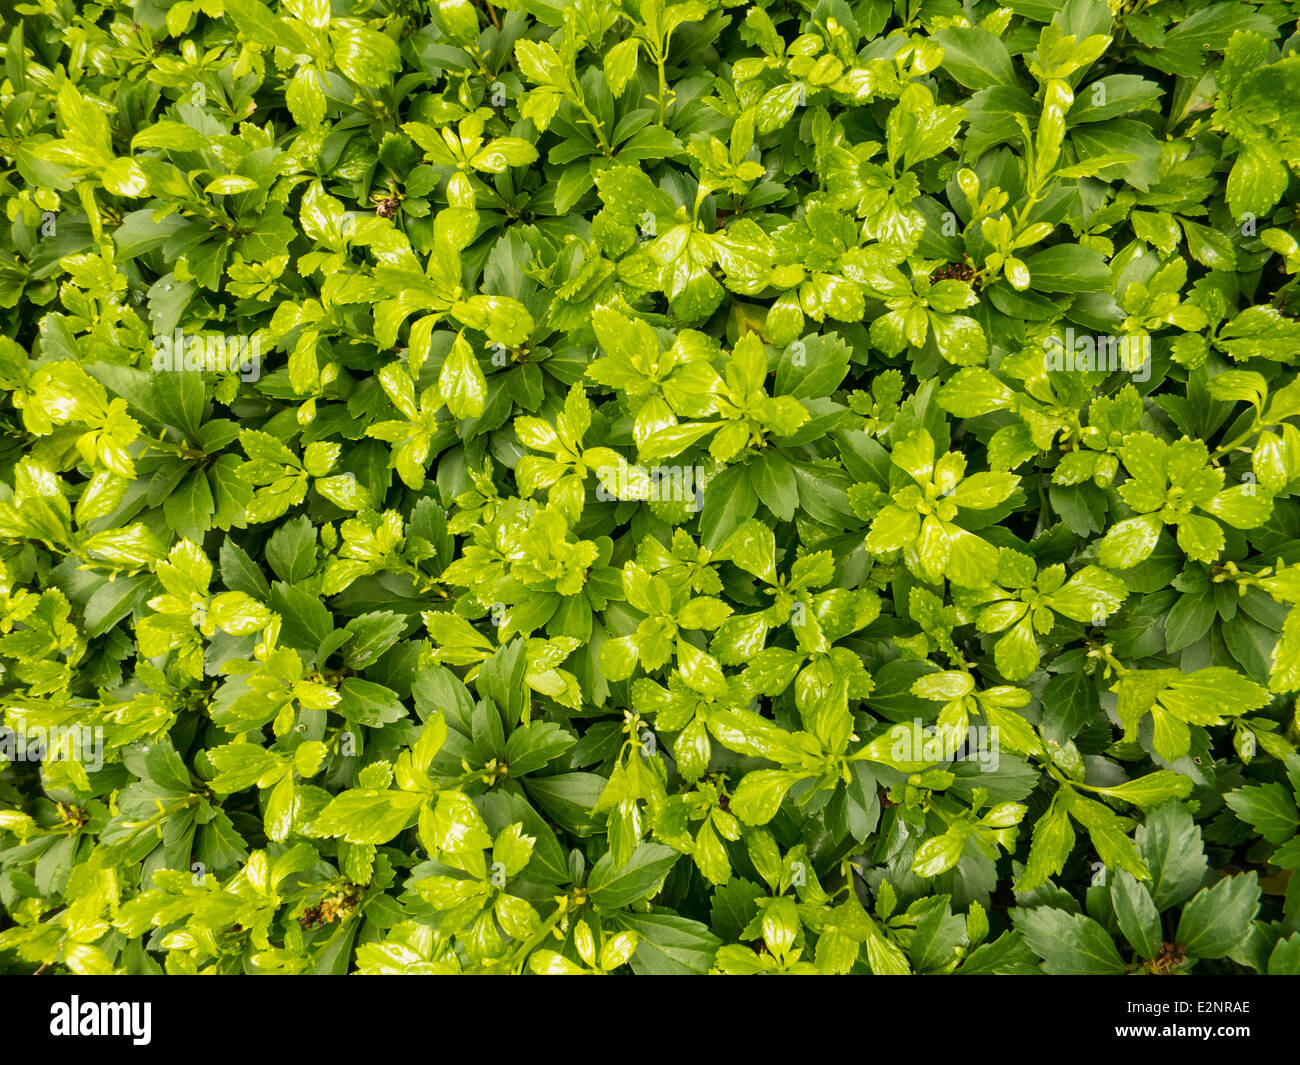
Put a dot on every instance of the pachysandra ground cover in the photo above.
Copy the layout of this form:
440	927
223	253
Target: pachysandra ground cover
542	487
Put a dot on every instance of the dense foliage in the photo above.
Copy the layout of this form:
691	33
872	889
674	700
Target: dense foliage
650	486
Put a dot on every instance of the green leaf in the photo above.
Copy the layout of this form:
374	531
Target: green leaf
1130	542
1151	790
1068	268
1136	914
1069	944
759	795
729	501
614	888
367	816
1053	840
976	58
1268	808
1219	917
461	382
1108	836
1170	844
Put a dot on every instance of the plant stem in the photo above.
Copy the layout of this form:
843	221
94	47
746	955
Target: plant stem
663	89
